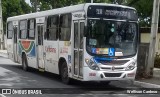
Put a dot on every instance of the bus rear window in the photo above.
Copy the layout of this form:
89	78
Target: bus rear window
10	30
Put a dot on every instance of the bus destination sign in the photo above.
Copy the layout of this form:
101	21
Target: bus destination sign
116	13
112	12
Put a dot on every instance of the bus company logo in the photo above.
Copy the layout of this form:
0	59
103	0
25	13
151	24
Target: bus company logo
6	91
64	50
40	20
21	91
78	15
26	45
50	49
113	68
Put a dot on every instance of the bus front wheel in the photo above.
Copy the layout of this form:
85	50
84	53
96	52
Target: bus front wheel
24	63
105	82
64	73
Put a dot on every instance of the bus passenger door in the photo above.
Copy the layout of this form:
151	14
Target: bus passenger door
40	59
78	48
15	52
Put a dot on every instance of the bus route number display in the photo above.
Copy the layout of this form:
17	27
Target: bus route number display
111	12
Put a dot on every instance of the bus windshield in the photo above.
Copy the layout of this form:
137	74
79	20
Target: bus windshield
117	37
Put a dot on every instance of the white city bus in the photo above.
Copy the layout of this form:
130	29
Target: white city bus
87	42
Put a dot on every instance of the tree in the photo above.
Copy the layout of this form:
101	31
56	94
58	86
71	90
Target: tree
12	8
51	4
144	9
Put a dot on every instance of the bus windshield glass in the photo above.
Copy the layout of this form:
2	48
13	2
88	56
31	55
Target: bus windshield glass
111	38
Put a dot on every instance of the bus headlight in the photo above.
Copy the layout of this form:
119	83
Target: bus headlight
131	66
91	64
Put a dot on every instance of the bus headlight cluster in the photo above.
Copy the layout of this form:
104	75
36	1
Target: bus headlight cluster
92	64
131	66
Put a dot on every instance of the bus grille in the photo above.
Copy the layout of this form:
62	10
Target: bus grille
109	68
114	62
112	74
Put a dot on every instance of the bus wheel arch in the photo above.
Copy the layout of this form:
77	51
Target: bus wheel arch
24	62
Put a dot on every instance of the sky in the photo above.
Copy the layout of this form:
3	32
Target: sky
28	1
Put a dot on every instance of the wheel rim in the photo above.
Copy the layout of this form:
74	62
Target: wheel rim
65	73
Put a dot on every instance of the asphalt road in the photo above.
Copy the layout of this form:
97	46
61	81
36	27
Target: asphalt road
12	76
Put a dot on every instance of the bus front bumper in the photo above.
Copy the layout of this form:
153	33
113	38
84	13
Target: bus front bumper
93	75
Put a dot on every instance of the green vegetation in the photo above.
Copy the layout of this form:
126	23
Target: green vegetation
144	7
51	4
157	61
12	8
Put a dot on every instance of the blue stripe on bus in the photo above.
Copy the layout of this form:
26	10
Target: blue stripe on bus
97	59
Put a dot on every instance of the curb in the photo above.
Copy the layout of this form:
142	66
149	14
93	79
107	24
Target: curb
3	53
146	85
156	72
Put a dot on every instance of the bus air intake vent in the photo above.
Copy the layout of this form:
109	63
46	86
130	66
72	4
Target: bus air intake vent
112	74
114	62
116	68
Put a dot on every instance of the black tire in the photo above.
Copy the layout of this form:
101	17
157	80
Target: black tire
24	63
105	82
64	73
132	82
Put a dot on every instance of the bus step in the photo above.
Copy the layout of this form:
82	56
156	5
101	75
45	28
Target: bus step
41	69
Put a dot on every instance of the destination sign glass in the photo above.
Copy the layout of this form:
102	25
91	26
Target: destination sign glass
112	12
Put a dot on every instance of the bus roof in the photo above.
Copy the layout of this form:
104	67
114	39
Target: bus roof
67	9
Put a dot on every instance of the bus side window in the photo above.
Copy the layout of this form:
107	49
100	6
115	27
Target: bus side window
65	27
15	34
76	35
82	25
23	29
39	35
45	35
52	27
45	27
9	30
31	29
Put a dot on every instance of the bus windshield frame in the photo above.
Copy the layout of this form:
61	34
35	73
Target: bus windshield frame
119	22
121	36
